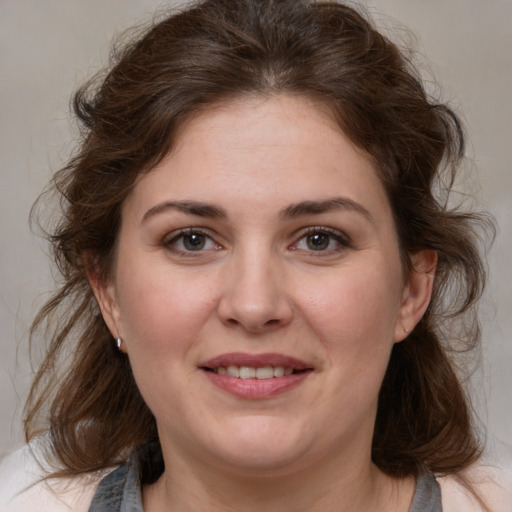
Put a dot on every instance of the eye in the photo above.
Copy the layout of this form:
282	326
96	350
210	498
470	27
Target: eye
191	240
321	240
318	241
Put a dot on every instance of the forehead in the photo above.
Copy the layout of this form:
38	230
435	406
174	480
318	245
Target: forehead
270	151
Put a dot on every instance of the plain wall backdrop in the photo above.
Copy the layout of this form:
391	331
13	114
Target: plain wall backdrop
47	49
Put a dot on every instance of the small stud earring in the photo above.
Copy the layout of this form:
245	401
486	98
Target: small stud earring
119	342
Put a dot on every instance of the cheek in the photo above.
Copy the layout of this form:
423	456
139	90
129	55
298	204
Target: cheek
161	312
354	311
162	318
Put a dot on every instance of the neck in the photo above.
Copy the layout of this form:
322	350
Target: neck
329	486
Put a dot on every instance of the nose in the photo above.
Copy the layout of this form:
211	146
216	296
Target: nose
255	293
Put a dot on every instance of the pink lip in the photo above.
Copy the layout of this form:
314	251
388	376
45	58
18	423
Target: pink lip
255	389
255	360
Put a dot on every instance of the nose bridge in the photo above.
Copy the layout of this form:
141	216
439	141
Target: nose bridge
255	289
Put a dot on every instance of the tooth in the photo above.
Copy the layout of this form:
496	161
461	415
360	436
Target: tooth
288	371
278	371
265	372
233	371
221	370
247	373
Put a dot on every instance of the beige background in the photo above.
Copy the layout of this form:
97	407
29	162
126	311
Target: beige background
47	48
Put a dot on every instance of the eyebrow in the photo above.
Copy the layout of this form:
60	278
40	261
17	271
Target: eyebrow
316	207
191	207
294	210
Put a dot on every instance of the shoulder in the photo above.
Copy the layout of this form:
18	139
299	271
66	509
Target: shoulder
492	481
22	488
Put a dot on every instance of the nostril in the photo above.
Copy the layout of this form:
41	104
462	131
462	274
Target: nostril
253	325
256	311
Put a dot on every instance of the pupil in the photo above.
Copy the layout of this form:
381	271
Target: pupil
318	241
194	242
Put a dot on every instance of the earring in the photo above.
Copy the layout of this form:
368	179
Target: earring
119	342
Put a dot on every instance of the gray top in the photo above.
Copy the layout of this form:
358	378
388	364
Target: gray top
120	491
427	497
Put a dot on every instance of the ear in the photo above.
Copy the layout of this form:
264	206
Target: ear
105	294
417	292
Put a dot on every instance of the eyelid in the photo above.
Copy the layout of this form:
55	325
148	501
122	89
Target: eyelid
338	236
170	239
342	240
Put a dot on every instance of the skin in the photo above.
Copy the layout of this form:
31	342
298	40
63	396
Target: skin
258	284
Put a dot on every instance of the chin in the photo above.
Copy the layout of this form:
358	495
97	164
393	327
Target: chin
261	443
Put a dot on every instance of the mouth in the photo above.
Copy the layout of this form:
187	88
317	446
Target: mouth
256	375
251	372
242	365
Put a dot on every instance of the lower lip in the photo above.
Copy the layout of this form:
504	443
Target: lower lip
256	389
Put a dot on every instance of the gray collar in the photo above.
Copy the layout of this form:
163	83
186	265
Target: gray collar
120	491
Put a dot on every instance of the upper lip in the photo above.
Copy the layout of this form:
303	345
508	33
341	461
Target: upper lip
255	361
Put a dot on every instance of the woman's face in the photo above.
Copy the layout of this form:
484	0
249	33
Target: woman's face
258	289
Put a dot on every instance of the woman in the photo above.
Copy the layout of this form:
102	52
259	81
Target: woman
258	277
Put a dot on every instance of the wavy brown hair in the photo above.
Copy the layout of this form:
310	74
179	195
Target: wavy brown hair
84	394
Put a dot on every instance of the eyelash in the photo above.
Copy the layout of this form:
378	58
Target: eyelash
342	241
171	242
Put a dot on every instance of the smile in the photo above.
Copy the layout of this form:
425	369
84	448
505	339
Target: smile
256	376
248	372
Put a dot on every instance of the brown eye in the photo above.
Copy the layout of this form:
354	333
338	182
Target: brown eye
322	240
318	241
194	242
188	241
